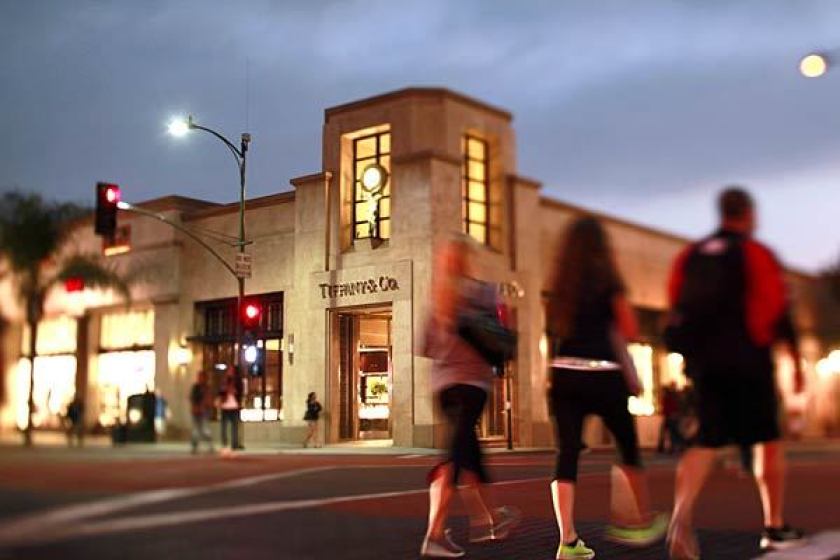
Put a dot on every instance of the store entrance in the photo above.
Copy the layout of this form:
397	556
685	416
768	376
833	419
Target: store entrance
364	374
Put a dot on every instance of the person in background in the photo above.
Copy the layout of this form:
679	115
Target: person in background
313	413
76	421
201	404
229	401
729	307
670	428
460	380
589	319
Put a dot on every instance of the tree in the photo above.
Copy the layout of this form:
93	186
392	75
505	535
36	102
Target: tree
33	236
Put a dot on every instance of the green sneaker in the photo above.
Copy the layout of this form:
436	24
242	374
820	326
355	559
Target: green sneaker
575	551
639	536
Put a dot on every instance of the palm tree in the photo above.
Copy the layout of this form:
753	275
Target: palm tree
33	233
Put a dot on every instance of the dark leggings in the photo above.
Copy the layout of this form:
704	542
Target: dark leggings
462	405
575	395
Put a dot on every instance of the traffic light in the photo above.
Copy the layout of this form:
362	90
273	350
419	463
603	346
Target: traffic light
251	315
252	354
107	197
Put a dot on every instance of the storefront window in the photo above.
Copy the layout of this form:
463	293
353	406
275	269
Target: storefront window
475	188
55	372
126	362
642	355
55	336
55	386
674	370
122	374
371	210
127	330
216	331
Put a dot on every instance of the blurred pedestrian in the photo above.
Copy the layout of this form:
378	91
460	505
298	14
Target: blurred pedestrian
76	421
670	428
589	319
313	413
460	380
229	401
201	405
729	307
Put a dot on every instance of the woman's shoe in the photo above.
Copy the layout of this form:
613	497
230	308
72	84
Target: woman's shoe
505	518
575	551
444	547
645	535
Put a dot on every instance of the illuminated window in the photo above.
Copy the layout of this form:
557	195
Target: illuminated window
119	243
127	330
642	355
475	190
371	209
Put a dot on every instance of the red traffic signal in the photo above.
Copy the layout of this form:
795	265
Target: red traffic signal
251	315
107	198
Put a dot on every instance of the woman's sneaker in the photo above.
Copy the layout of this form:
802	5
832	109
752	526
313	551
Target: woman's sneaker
575	551
781	538
639	536
506	519
442	548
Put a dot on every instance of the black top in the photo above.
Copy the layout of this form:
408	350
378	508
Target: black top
589	334
313	410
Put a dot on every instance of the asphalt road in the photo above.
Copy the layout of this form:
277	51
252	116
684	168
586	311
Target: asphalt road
322	506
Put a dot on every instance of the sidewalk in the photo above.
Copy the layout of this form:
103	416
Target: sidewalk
102	445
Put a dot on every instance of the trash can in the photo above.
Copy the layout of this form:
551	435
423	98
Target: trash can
140	415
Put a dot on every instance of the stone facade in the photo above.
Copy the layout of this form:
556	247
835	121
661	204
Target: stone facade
303	246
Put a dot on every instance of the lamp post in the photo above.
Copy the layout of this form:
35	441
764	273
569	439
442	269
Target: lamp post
180	127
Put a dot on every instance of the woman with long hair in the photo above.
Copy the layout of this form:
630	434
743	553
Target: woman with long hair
588	319
311	416
460	380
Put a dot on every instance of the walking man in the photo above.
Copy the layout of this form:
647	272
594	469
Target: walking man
729	307
201	403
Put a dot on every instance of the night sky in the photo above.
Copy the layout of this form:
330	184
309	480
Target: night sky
642	109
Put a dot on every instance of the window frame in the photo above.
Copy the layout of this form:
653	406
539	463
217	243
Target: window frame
358	192
466	179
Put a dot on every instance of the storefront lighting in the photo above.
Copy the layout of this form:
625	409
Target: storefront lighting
180	355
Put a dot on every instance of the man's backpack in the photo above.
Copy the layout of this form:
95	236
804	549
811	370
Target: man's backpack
480	324
711	298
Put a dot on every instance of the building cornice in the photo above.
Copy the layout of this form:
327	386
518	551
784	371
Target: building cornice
302	180
417	92
233	207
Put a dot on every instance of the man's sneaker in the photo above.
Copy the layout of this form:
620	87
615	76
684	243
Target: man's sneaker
575	551
781	538
443	548
506	519
639	536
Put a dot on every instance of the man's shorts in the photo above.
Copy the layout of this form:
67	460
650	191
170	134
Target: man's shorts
737	405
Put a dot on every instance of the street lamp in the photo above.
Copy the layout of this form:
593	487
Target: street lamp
814	65
179	127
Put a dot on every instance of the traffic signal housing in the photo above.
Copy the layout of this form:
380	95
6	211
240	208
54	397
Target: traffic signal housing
252	355
107	198
251	315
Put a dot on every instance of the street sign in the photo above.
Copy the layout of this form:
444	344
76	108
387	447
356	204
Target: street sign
243	265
